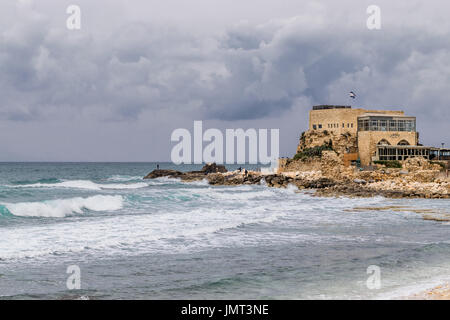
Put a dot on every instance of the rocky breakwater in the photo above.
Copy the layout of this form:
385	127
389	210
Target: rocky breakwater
218	175
210	168
416	179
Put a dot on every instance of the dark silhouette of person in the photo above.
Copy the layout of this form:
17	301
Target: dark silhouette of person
157	167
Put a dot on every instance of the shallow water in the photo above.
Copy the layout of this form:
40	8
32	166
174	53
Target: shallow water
136	239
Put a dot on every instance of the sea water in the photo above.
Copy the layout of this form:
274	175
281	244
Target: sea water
166	239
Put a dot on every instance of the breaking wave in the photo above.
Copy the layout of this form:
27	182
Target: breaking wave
85	184
62	207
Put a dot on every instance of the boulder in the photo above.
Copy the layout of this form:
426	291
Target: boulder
216	179
359	181
213	168
158	173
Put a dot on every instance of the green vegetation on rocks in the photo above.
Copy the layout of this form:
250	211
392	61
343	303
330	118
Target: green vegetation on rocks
389	163
442	164
314	151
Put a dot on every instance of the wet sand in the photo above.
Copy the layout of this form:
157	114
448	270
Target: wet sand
441	292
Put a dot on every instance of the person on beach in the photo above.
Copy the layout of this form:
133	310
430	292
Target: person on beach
157	167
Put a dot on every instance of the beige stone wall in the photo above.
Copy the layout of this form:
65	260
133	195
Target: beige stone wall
342	142
341	120
368	140
297	165
336	120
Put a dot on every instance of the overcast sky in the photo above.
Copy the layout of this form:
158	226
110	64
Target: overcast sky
137	70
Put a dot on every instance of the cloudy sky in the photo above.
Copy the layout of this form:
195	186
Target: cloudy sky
116	89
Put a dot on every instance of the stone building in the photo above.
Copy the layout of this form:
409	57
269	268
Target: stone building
379	134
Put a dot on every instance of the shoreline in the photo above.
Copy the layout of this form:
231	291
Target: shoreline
323	185
439	292
328	186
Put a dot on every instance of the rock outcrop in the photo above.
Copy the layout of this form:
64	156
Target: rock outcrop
416	179
213	168
341	142
207	169
164	173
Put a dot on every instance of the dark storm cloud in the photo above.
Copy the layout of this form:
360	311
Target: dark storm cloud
249	71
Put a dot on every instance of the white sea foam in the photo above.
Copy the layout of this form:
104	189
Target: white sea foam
292	188
62	207
203	182
121	178
118	186
85	184
164	180
134	234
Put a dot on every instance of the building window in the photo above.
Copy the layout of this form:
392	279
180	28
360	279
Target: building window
320	126
360	125
386	125
314	127
352	124
392	125
373	125
383	142
409	125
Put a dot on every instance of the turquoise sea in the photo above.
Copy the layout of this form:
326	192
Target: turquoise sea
165	239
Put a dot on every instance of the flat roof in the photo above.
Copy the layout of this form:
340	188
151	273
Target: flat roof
327	106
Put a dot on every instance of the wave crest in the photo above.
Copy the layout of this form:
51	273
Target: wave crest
62	207
85	184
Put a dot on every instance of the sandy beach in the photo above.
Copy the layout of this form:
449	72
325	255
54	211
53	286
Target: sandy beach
440	292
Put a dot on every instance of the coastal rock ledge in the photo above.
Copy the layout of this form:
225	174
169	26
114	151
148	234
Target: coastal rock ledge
382	183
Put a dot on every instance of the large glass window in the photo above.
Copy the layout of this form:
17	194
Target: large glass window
387	125
373	125
392	125
410	125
